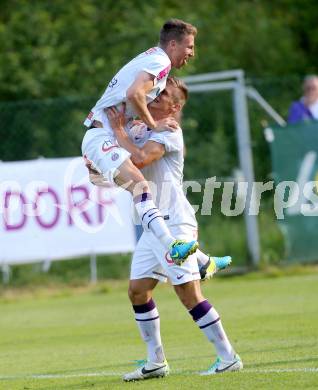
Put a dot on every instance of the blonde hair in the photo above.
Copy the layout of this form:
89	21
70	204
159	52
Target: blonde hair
182	91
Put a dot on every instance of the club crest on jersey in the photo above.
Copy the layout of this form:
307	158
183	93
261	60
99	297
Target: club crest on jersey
115	156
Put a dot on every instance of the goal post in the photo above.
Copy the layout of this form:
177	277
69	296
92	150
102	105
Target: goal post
234	80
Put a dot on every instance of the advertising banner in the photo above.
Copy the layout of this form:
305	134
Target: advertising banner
294	152
50	211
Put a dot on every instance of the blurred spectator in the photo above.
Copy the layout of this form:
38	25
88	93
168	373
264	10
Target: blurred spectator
306	108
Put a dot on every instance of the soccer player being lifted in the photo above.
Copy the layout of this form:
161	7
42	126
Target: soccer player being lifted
138	83
160	156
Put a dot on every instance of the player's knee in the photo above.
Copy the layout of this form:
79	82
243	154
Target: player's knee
132	181
182	294
188	296
187	301
131	294
137	296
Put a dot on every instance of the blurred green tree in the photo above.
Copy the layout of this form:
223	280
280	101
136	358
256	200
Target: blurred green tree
73	48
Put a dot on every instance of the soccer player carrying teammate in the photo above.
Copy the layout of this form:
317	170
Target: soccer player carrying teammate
138	83
161	157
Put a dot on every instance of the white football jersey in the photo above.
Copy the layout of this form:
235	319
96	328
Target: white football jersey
154	61
165	175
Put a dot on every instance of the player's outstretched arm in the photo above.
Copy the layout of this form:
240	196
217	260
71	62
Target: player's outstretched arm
151	151
136	96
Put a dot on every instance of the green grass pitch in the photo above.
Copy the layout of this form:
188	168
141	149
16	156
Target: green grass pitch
86	339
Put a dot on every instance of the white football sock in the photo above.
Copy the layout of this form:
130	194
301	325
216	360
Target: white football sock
148	321
202	258
152	219
208	320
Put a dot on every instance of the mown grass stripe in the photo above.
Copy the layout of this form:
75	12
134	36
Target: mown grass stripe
174	372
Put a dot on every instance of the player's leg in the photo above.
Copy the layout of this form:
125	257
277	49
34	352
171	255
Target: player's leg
148	322
186	282
144	276
209	265
208	320
140	290
147	317
130	178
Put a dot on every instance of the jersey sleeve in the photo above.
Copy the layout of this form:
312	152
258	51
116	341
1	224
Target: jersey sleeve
172	141
157	66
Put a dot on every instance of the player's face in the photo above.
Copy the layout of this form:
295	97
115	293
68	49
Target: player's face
163	105
182	51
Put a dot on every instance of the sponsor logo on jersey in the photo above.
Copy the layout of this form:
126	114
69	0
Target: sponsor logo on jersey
168	259
107	146
164	73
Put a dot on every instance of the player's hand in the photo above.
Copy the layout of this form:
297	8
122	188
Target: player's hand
165	124
117	119
135	122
